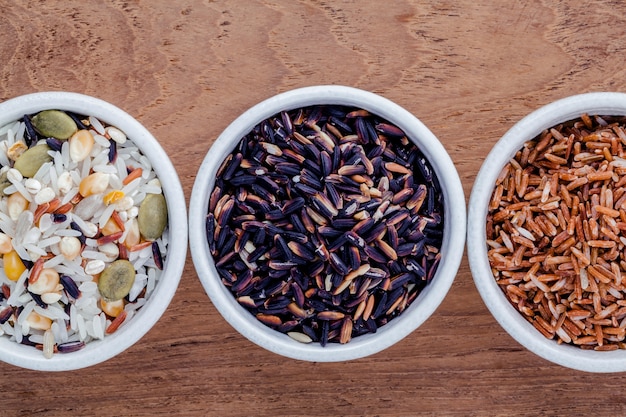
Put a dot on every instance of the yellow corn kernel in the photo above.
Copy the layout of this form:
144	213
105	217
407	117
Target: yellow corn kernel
16	204
113	197
94	183
13	266
112	308
51	297
81	144
70	247
16	150
37	321
110	227
46	282
6	245
133	236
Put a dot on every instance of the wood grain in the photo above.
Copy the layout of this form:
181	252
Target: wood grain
467	69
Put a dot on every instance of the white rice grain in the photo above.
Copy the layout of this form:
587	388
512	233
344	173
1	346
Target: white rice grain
76	178
138	286
151	189
44	243
82	330
54	181
146	165
62	334
69	196
19	187
151	282
121	168
28	308
101	140
86	303
132	186
18	289
90	254
100	160
106	215
65	155
34	249
32	236
97	126
54	261
58	164
85	169
52	312
7	226
68	232
107	169
19	135
24	298
89	287
56	330
18	334
73	317
21	250
98	331
11	136
43	174
89	229
7	329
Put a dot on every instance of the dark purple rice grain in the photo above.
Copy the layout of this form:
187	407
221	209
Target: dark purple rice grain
27	342
77	120
156	255
59	218
112	151
309	331
288	326
389	130
54	144
70	347
325	328
76	227
31	135
37	299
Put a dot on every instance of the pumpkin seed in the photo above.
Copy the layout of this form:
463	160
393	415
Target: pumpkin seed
116	280
4	181
152	217
54	123
32	159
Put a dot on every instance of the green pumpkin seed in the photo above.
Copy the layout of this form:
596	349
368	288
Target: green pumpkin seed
4	181
32	159
152	217
116	280
54	123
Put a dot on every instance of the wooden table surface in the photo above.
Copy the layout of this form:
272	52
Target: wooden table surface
469	69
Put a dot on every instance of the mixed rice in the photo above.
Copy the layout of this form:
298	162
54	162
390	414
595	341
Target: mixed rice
77	258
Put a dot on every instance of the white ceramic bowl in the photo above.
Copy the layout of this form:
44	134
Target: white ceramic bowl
509	318
396	329
98	351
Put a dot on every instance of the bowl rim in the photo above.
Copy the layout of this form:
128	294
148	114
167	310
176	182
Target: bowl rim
274	341
562	110
98	351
